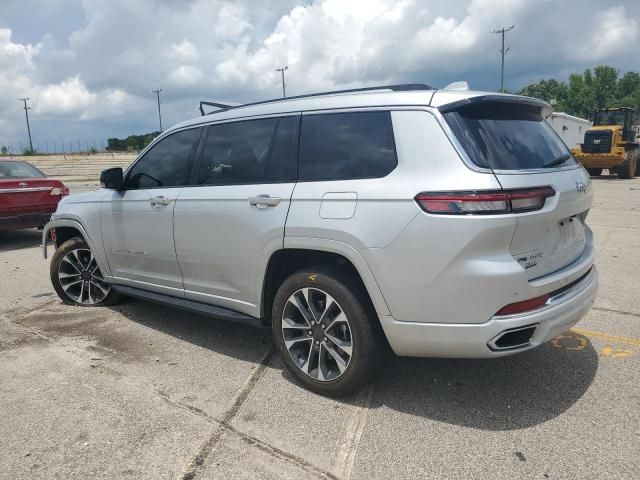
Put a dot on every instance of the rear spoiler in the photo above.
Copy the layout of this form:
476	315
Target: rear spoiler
545	108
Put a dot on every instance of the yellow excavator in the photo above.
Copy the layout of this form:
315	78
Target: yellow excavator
611	143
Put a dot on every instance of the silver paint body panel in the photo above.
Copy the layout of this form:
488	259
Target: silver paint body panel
435	281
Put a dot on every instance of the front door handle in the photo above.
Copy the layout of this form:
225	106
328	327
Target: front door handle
159	201
264	201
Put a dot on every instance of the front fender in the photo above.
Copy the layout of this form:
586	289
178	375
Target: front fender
73	223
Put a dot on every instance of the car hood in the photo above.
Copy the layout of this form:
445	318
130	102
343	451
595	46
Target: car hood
85	197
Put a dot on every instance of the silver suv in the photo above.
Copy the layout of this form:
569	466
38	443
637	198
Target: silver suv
443	223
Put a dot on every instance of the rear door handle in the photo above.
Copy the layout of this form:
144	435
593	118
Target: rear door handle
264	201
159	201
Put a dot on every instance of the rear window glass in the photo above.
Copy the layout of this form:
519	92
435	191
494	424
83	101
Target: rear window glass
340	146
507	137
15	170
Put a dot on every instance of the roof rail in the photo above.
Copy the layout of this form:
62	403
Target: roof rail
394	88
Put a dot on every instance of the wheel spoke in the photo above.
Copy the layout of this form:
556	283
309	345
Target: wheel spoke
340	318
305	367
342	364
81	292
295	341
68	275
344	345
308	316
320	362
68	261
104	291
66	286
291	324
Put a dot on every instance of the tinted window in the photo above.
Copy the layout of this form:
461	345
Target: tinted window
253	151
166	164
341	146
19	170
507	137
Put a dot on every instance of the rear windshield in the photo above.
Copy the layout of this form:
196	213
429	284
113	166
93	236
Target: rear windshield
507	137
15	170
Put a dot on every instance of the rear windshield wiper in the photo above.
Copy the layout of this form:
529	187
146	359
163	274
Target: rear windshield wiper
558	161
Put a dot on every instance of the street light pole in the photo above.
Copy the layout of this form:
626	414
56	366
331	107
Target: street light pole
26	113
502	31
157	92
282	70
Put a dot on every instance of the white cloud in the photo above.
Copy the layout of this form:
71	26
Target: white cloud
101	73
615	34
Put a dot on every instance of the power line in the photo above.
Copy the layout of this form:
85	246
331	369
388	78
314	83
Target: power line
282	70
502	31
157	92
26	113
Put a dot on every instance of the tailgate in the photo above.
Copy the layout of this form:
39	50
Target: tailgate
550	239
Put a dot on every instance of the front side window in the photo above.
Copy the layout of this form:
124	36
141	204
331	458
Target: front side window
507	136
341	146
17	170
251	151
166	164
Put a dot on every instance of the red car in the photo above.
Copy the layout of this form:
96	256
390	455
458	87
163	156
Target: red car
27	196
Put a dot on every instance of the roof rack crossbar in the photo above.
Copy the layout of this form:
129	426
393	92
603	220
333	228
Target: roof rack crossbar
221	106
395	88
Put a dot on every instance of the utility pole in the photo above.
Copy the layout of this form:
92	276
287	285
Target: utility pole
26	113
502	31
282	70
157	92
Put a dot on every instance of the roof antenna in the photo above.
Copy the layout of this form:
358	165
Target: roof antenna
463	86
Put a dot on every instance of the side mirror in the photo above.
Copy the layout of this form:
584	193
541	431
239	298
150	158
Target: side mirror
111	178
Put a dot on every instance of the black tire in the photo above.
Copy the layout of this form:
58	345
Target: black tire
111	298
368	351
595	172
628	168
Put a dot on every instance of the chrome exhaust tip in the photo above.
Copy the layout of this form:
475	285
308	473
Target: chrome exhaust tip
513	338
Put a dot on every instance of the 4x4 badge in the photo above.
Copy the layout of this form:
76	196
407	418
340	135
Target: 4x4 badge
581	187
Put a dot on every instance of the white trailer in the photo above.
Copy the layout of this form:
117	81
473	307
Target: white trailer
569	128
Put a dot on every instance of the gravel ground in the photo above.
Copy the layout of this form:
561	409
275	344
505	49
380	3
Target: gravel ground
143	391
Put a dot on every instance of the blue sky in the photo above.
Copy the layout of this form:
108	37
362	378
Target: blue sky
89	66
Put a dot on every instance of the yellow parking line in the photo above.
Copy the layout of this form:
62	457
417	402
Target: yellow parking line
605	336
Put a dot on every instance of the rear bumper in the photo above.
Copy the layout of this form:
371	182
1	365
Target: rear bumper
415	339
27	220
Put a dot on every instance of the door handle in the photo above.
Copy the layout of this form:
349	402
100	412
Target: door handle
159	201
264	201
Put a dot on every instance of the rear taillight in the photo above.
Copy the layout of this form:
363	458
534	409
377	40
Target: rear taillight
60	191
485	202
524	306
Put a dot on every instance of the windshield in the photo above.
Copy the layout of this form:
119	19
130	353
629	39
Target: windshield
507	136
609	118
17	170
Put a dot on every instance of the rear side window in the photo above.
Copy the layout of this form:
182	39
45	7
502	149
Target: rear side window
504	136
253	151
341	146
166	164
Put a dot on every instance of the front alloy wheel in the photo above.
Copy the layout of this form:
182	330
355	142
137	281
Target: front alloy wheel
76	276
81	279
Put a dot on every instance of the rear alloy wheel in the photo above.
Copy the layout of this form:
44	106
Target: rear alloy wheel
325	330
317	334
77	278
